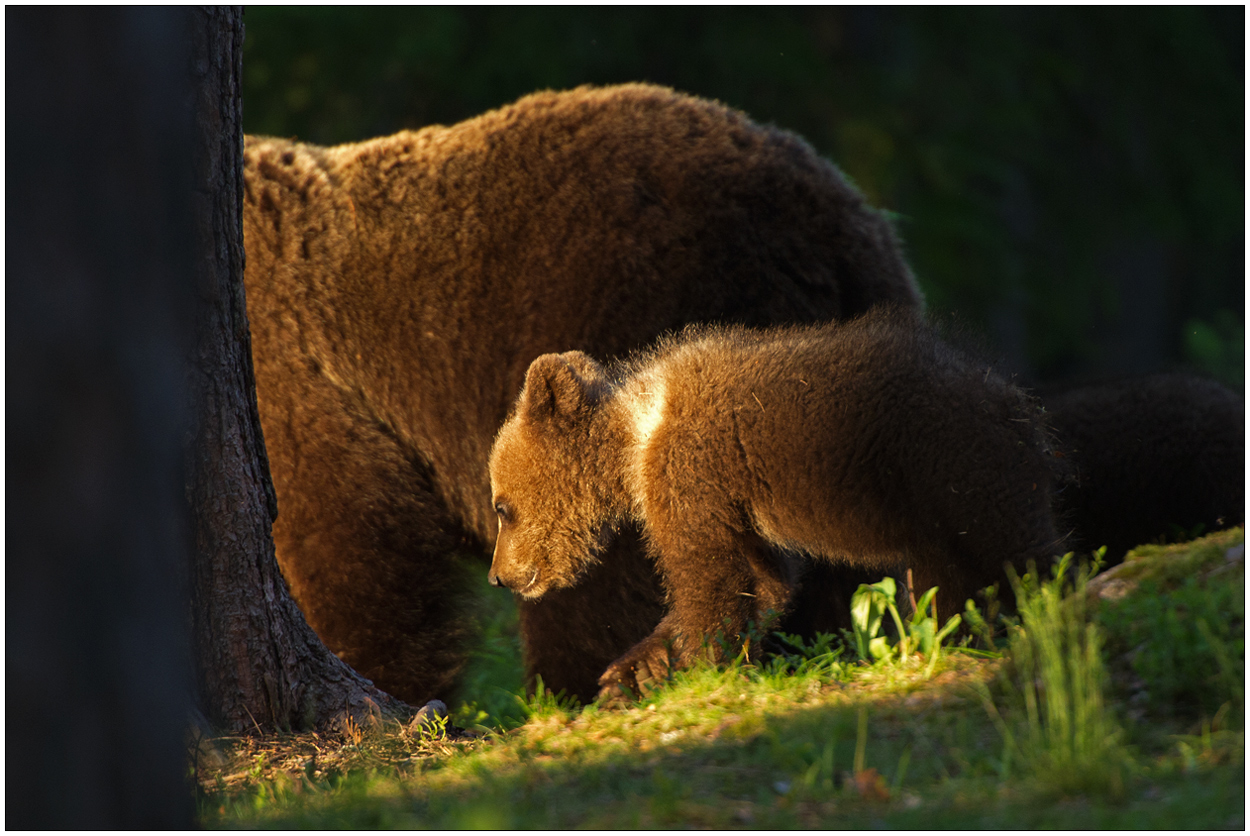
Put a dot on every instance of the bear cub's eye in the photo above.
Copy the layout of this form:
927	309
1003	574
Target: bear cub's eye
504	510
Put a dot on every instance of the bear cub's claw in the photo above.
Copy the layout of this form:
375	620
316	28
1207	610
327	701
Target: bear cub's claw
644	667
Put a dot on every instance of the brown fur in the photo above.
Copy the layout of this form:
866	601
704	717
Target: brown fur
869	444
1153	458
398	288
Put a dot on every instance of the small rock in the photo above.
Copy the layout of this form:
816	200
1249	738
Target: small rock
1114	589
428	717
782	787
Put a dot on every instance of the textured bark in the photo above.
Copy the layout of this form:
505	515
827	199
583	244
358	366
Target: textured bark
258	664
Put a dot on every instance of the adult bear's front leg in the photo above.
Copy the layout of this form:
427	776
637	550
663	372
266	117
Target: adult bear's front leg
365	544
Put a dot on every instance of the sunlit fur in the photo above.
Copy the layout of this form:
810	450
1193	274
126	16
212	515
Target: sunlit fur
398	288
869	443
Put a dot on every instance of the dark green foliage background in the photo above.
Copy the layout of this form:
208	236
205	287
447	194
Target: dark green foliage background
1069	181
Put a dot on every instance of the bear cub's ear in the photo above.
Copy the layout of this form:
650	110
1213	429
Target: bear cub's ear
563	385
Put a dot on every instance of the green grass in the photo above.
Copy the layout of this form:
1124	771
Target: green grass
1177	645
494	679
1066	737
1040	735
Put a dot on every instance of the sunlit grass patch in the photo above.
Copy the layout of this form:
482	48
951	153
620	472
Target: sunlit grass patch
776	742
807	736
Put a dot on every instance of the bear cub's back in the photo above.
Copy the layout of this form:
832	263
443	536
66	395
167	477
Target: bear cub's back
823	435
881	381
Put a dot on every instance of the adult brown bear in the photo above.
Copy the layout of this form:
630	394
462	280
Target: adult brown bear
398	289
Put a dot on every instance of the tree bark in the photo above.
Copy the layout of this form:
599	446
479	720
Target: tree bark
259	666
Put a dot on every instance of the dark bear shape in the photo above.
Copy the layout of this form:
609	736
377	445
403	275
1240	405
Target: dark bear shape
1152	457
744	453
1147	459
398	288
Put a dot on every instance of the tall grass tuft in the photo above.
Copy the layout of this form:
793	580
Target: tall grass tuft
1068	738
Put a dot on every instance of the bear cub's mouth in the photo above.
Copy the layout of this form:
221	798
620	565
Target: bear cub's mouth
528	591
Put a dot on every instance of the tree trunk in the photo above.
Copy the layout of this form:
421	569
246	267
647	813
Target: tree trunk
106	243
258	665
97	267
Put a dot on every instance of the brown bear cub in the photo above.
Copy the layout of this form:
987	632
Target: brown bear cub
743	452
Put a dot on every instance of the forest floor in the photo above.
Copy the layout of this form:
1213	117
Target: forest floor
1112	703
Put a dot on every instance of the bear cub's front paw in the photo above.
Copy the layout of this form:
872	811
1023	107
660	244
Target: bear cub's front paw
645	666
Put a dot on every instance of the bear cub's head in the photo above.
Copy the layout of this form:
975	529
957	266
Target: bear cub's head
548	477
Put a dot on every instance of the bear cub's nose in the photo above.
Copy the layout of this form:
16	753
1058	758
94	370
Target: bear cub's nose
494	579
